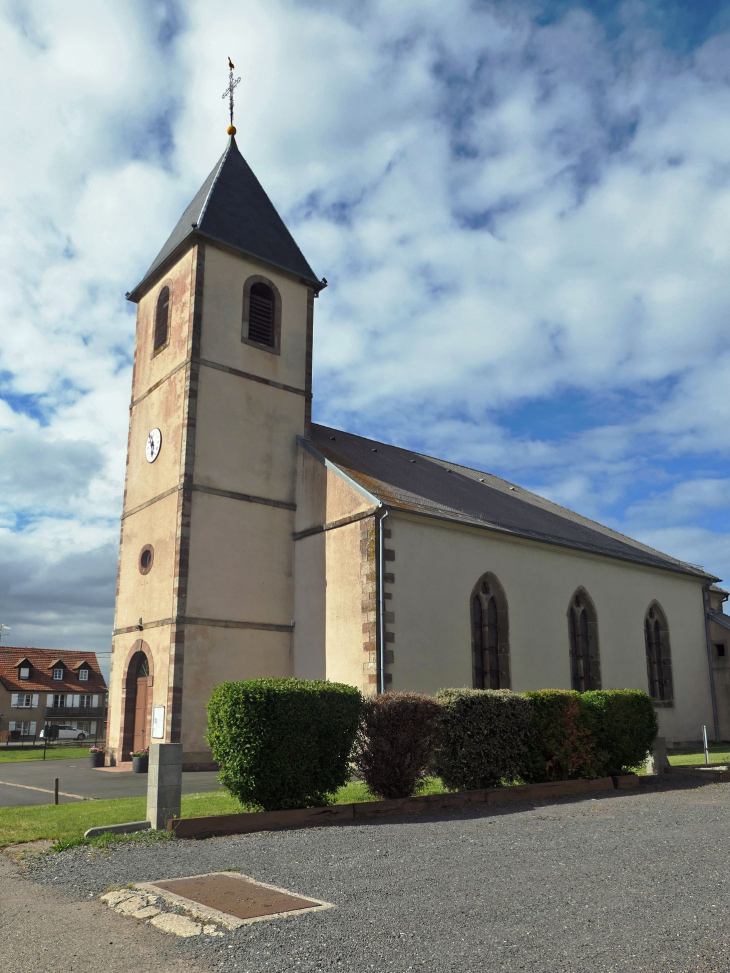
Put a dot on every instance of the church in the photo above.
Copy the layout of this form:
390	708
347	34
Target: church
256	543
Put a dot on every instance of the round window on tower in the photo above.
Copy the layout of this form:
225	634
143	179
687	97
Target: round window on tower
146	559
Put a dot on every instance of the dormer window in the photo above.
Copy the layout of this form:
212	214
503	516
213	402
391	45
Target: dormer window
83	675
24	672
58	673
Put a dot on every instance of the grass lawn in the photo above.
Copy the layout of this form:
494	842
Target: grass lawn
69	821
8	756
718	754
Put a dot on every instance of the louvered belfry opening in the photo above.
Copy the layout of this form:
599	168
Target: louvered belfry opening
261	315
162	316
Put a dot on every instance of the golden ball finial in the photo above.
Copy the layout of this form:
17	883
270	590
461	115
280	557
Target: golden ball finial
231	130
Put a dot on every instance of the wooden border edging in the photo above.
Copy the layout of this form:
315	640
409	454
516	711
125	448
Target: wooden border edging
228	824
713	772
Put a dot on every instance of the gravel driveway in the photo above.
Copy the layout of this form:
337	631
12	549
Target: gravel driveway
631	881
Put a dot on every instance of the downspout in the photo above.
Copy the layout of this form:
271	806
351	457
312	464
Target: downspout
706	607
381	600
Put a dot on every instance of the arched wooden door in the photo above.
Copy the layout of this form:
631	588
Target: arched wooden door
141	729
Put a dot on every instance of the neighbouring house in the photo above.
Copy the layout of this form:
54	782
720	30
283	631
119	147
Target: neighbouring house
48	686
256	542
718	624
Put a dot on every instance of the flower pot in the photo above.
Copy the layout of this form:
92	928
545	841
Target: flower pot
96	760
139	764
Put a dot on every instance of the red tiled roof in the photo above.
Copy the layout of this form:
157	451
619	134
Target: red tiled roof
41	677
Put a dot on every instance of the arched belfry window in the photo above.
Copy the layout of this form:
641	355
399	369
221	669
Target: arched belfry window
658	654
162	318
585	661
261	314
490	635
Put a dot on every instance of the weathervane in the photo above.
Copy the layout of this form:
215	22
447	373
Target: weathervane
229	94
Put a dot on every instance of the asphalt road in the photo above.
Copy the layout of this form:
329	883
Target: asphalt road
628	882
29	783
62	934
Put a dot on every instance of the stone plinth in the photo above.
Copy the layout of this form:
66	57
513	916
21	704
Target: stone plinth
164	783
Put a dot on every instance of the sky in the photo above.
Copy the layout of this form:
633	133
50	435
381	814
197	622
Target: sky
522	209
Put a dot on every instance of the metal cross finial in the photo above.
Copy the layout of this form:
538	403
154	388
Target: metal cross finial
229	94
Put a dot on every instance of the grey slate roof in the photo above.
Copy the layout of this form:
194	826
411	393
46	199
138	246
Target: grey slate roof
412	481
232	207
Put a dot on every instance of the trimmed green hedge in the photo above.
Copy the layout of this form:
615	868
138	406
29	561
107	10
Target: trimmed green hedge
395	742
287	743
560	745
283	743
624	725
482	735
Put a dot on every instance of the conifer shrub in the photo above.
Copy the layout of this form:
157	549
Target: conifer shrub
482	736
283	743
623	724
395	742
560	746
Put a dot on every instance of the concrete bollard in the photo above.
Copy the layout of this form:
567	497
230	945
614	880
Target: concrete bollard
658	762
164	783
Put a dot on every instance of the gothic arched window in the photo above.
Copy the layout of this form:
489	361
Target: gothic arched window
490	635
658	654
585	663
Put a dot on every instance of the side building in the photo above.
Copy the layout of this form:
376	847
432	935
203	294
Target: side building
47	686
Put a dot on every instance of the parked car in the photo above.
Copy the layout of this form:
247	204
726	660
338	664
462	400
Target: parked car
63	733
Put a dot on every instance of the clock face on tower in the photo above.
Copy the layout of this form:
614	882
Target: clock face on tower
152	447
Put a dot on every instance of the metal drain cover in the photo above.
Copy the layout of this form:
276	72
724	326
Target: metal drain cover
233	897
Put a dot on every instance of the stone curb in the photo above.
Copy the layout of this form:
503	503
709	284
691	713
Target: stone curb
228	824
129	828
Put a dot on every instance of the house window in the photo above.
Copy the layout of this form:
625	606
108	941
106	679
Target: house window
24	701
83	675
58	674
26	728
489	627
61	699
162	315
24	672
658	655
585	665
84	702
720	649
261	313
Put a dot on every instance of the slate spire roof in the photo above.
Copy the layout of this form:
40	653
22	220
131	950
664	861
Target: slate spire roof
402	479
231	207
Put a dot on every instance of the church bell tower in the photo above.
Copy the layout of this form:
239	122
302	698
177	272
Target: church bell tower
221	388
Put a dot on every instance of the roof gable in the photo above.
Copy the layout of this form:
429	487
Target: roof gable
412	481
231	207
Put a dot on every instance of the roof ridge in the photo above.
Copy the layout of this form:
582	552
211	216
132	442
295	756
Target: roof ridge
221	163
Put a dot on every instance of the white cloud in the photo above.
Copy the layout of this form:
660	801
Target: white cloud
507	214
